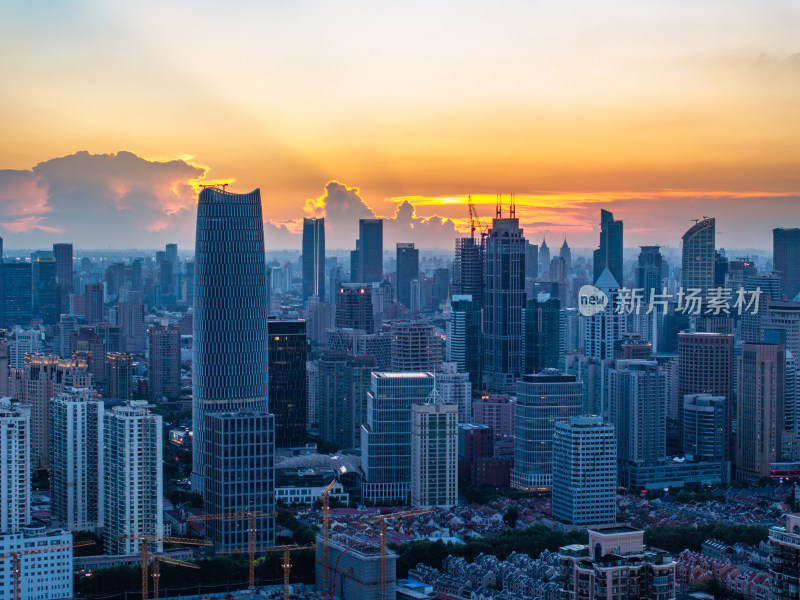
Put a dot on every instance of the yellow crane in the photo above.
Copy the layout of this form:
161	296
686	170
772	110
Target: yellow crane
286	565
16	559
383	519
251	532
157	560
326	507
144	551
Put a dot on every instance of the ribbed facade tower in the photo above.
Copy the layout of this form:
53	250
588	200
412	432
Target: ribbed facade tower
230	365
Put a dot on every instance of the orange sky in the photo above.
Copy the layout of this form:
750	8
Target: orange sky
660	110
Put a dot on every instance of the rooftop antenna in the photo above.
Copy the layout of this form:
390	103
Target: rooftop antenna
513	208
221	185
498	213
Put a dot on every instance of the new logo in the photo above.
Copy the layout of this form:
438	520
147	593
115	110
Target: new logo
591	300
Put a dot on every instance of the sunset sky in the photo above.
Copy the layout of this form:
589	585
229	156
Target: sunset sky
112	112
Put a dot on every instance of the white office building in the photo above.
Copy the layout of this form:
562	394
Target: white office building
455	388
434	454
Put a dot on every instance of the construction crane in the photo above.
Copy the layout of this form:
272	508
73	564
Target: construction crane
383	519
326	507
157	560
286	565
144	550
16	559
474	220
251	532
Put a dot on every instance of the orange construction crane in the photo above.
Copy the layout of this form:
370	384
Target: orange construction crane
383	519
286	564
157	560
475	221
144	550
326	507
16	559
251	532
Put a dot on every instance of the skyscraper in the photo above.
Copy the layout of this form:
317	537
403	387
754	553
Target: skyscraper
132	469
370	250
415	346
314	258
171	253
344	381
609	254
17	293
759	409
531	260
164	364
468	269
504	299
786	258
584	471
704	421
230	362
407	270
15	465
541	336
130	318
464	339
699	256
609	325
76	459
63	255
544	258
434	454
650	271
565	254
45	301
454	387
288	353
542	400
354	307
95	303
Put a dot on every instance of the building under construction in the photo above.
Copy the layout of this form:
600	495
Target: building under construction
354	569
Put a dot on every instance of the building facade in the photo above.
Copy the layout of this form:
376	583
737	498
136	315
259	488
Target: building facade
786	259
164	362
434	454
288	353
407	271
314	258
464	339
699	256
609	254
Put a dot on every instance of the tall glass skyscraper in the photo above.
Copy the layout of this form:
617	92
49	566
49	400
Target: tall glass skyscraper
609	254
699	256
370	250
314	258
786	258
407	270
230	365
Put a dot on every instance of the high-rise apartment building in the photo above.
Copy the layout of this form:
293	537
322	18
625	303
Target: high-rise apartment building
120	375
604	329
407	271
699	256
15	466
609	254
354	307
288	353
314	259
464	339
784	559
468	269
132	476
230	361
415	346
76	459
370	250
130	319
705	366
584	471
704	422
386	434
543	399
503	302
786	259
95	303
164	362
759	409
434	454
541	335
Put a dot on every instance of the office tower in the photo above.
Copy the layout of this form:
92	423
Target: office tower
89	346
704	421
542	400
188	283
638	411
504	299
434	454
468	269
35	383
314	259
76	459
354	569
386	434
650	271
609	254
63	255
531	260
783	316
344	381
130	319
15	465
320	317
464	337
541	335
67	325
440	289
94	303
566	254
604	329
24	342
590	570
230	363
454	387
497	412
166	274
786	259
45	302
115	278
370	250
699	256
17	293
120	375
544	258
110	336
784	558
354	307
759	409
132	476
415	346
288	353
584	471
407	270
705	366
164	364
312	394
720	268
171	253
4	363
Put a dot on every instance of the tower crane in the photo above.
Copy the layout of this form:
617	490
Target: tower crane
286	565
157	560
144	551
474	220
16	559
326	507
